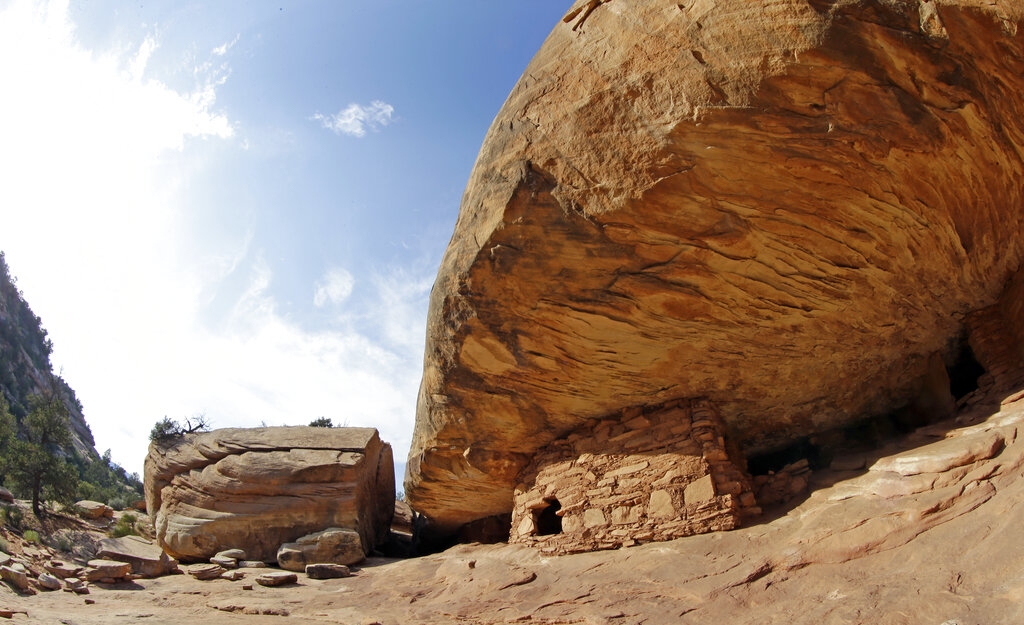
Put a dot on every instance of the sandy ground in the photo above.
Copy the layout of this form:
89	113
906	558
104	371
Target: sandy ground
904	546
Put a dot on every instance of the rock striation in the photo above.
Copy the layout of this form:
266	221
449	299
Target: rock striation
786	207
255	489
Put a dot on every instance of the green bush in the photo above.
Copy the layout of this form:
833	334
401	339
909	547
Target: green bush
321	422
31	536
105	481
12	517
164	431
125	526
167	430
60	542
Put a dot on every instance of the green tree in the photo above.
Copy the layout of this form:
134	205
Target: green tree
36	462
167	430
8	429
321	422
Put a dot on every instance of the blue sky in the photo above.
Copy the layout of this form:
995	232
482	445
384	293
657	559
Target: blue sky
238	209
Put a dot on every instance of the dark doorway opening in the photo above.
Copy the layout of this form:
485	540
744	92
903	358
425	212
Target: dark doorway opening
547	520
964	372
762	464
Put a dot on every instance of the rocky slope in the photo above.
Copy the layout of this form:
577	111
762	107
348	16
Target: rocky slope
25	361
787	207
923	533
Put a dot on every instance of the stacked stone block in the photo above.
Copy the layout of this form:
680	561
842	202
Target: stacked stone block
995	336
645	474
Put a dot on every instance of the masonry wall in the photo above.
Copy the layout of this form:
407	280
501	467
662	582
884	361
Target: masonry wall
650	474
997	339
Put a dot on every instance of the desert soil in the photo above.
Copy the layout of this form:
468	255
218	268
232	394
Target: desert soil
928	534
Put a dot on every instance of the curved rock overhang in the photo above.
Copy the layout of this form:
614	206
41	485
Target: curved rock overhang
786	207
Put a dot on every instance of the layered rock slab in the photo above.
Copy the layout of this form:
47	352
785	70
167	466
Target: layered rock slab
255	489
786	207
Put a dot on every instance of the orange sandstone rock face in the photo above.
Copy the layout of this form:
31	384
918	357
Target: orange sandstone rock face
257	488
785	206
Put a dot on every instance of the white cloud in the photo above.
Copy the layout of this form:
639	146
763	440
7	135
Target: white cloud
354	120
92	165
334	288
221	50
403	295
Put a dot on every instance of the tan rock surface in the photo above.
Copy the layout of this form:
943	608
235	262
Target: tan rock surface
333	545
255	489
94	509
145	558
107	570
784	206
950	553
276	578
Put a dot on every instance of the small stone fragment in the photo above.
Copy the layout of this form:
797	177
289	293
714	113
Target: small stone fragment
277	578
206	571
48	582
62	570
327	571
251	564
103	570
699	490
16	578
661	506
228	563
234	554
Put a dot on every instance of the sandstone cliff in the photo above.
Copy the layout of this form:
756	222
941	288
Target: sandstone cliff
255	489
787	207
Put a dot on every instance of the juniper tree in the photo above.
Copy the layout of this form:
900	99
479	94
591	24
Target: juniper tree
8	428
36	461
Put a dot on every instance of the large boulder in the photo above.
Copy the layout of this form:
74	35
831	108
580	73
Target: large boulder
333	545
94	510
145	558
786	207
255	489
107	571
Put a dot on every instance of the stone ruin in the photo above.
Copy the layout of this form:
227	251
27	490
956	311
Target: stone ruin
649	474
